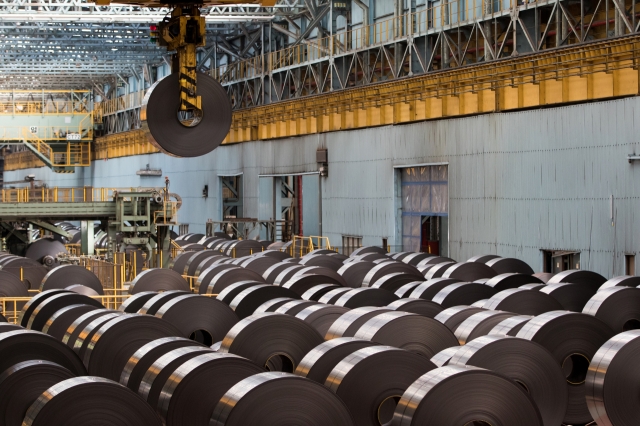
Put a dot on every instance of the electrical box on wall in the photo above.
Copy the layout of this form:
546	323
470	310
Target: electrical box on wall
322	158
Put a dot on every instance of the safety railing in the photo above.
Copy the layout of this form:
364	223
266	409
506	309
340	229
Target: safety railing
168	215
21	160
111	275
121	103
63	195
81	132
40	107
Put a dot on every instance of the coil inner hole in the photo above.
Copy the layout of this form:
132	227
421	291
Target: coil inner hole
386	409
202	336
477	423
190	118
632	324
279	362
575	368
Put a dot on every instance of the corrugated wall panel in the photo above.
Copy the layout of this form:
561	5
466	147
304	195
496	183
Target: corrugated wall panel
519	182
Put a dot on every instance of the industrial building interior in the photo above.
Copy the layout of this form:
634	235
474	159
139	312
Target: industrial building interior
319	212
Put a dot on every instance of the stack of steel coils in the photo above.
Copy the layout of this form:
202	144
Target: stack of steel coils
367	340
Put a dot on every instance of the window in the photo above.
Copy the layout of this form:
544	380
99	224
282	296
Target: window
555	261
629	264
350	243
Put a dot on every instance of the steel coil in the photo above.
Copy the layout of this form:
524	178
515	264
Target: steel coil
350	322
295	306
453	317
230	292
578	276
469	271
276	341
383	269
251	402
65	275
428	289
161	370
11	286
510	326
331	296
528	364
361	297
199	318
371	380
158	280
355	272
435	270
229	277
88	331
368	249
26	345
34	302
154	303
572	296
260	263
414	259
135	302
194	261
143	359
504	265
483	258
612	381
511	280
28	270
23	383
536	287
318	363
116	340
523	302
462	294
210	375
45	251
249	299
48	307
422	307
73	331
393	282
165	131
90	400
454	395
406	290
573	339
7	326
415	333
443	357
622	281
82	289
320	316
272	304
317	291
322	260
479	324
301	283
618	307
206	276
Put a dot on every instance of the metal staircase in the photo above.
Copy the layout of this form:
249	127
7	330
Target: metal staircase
60	159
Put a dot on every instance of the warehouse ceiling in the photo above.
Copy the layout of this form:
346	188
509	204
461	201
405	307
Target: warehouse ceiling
74	44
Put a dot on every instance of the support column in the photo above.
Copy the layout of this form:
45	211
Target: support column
86	240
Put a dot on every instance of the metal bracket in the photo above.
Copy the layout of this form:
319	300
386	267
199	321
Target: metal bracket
633	157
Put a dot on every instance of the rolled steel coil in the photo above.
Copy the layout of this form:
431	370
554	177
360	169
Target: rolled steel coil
317	291
88	331
371	380
251	402
48	307
622	281
23	383
462	294
573	339
612	381
5	327
361	297
248	300
483	258
287	273
116	340
572	296
369	249
45	251
435	261
405	291
436	270
295	306
526	363
276	341
26	345
423	307
504	265
143	359
194	261
210	375
78	325
260	263
228	294
161	370
322	260
479	324
135	302
332	296
65	275
453	317
454	395
383	269
11	286
469	271
480	303
207	263
350	322
206	276
28	270
414	259
320	316
443	357
228	277
90	400
578	276
158	279
415	333
177	263
428	289
199	318
510	326
543	276
32	304
82	289
301	283
319	362
272	304
393	282
241	248
536	287
354	272
511	280
154	303
57	324
618	307
523	302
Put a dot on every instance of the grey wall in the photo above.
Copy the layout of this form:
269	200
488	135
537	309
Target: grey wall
518	182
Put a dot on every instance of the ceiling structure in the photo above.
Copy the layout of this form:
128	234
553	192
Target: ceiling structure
74	44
